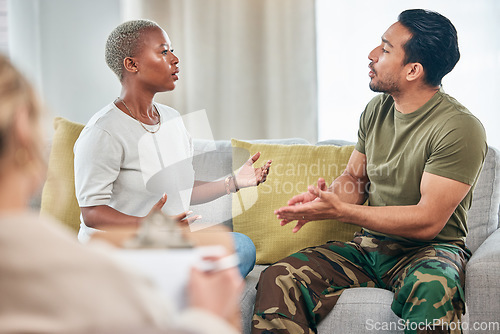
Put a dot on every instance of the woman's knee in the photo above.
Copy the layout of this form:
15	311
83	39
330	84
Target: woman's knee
245	249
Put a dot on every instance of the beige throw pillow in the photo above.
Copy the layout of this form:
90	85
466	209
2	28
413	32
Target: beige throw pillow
58	195
294	167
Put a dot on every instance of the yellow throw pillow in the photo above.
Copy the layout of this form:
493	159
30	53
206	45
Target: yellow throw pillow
58	195
294	167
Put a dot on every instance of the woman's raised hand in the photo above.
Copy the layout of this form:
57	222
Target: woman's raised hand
248	176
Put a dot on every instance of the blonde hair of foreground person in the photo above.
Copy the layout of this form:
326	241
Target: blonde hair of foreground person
21	164
44	289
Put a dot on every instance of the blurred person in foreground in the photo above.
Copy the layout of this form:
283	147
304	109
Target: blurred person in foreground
50	283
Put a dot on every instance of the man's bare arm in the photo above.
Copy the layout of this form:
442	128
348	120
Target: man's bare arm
423	221
440	198
352	185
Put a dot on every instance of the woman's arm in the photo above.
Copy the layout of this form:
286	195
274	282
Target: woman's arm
247	176
104	217
208	191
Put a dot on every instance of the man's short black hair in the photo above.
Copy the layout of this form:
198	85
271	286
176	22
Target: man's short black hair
434	43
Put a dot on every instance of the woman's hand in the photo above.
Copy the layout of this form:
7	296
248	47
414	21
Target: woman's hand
248	176
182	218
185	218
158	206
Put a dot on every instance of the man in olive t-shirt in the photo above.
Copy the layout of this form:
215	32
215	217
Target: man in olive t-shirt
418	157
441	138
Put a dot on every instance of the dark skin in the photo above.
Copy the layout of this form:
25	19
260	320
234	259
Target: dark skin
152	70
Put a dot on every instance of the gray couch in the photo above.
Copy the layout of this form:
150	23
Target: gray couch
364	310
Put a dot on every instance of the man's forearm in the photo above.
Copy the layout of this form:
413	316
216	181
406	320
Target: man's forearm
406	221
349	189
412	221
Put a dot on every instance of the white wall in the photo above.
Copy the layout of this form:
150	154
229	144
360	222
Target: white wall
348	30
59	45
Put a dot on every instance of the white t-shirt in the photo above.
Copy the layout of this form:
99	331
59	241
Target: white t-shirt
119	164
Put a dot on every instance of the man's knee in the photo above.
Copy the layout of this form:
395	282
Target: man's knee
431	292
279	274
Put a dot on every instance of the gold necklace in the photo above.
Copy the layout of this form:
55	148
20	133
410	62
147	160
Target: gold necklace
150	131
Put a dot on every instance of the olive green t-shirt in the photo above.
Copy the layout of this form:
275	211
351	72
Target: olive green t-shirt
442	138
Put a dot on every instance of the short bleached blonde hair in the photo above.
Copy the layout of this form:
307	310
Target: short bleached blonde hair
123	42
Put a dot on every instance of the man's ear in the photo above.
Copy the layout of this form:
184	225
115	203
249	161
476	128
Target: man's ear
414	71
130	65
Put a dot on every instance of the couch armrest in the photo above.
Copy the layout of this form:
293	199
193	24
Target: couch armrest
482	283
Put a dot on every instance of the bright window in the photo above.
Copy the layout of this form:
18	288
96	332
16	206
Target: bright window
348	30
3	27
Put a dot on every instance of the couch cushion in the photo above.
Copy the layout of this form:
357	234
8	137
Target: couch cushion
248	297
336	142
362	310
58	195
483	287
483	215
293	169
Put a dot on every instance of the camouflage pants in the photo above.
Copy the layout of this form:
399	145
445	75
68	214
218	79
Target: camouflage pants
296	293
